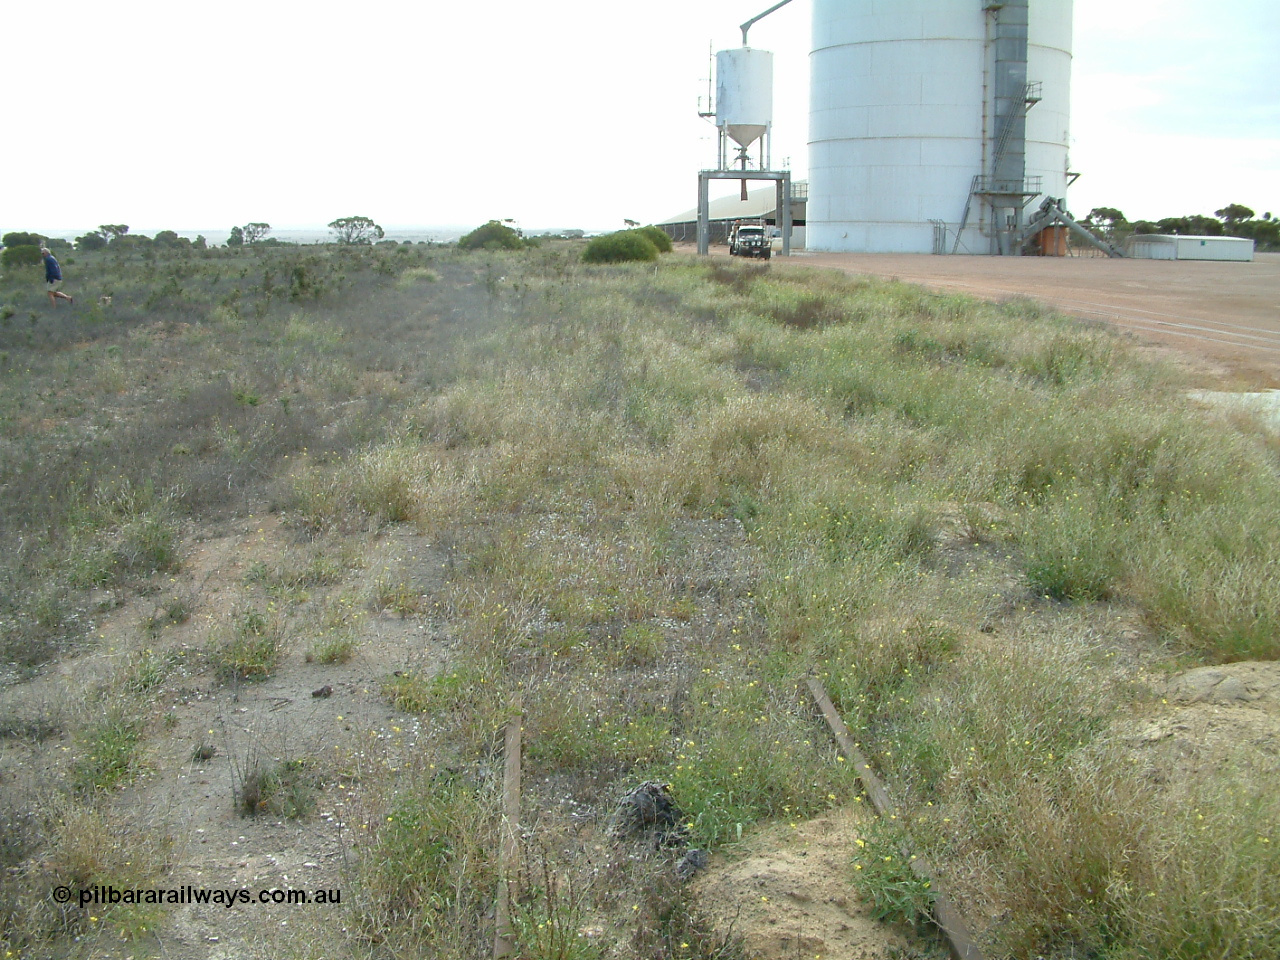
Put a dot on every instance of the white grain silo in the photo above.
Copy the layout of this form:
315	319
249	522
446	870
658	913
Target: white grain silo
744	100
744	115
934	123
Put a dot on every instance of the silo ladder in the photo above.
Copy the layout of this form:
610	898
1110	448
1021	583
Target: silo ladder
973	188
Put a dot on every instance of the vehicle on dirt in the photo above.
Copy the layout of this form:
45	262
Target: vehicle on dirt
750	240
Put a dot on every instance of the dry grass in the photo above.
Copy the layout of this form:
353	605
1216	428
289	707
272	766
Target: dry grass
666	495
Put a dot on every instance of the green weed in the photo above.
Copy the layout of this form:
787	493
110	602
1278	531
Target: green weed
883	874
286	789
548	921
146	672
108	754
429	871
250	648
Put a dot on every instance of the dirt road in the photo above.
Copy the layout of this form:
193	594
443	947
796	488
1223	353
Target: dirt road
1225	317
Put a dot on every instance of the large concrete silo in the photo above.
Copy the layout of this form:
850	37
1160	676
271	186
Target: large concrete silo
935	123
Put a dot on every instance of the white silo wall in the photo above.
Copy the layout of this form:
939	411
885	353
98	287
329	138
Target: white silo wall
744	93
1049	121
896	127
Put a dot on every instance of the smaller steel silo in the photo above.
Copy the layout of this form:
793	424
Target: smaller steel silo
743	115
744	101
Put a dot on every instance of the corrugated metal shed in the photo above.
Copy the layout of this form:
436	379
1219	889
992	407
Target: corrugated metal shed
1171	246
760	204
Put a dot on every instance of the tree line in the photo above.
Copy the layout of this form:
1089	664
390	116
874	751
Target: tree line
1233	220
23	247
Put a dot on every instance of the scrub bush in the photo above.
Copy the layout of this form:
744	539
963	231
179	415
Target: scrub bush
619	248
18	238
492	236
658	237
21	255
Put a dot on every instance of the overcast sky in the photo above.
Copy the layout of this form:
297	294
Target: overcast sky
561	113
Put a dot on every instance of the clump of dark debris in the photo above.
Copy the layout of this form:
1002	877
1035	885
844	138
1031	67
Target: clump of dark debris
649	813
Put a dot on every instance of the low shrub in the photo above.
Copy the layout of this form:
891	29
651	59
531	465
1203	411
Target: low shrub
336	648
109	757
21	238
657	236
22	255
620	247
284	789
253	649
429	869
550	922
415	693
88	848
492	236
415	275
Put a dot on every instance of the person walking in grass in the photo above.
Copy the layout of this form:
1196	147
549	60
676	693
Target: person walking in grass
53	278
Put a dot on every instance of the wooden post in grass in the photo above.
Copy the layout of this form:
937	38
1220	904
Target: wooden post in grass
945	914
504	944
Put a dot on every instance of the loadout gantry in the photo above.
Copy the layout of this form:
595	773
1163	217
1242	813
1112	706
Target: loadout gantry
1052	213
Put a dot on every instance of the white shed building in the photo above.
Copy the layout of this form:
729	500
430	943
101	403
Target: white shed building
1171	246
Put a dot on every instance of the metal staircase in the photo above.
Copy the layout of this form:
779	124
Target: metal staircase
990	186
1031	95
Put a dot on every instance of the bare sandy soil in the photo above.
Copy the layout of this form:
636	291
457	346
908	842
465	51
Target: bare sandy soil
334	714
788	894
1224	317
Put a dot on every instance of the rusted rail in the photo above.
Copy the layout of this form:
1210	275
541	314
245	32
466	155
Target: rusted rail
945	914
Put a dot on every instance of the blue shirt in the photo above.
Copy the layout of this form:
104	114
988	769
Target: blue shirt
52	271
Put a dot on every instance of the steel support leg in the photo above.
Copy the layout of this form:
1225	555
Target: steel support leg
704	216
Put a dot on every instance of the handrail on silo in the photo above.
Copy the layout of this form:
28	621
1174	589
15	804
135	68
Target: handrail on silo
747	26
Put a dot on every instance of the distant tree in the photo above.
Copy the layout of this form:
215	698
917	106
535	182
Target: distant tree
1104	217
1205	226
491	236
630	224
21	239
200	242
91	241
132	241
170	238
1195	225
237	237
1108	223
1265	233
58	245
110	231
20	255
359	230
1234	213
253	232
